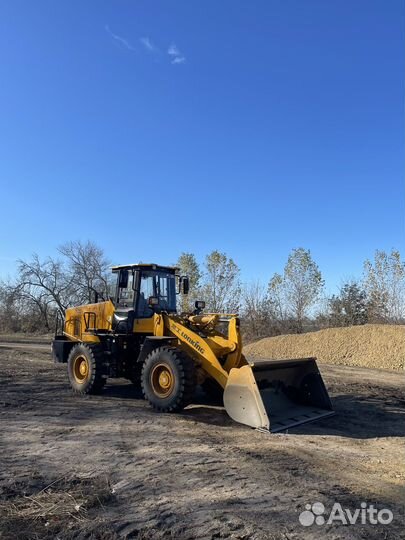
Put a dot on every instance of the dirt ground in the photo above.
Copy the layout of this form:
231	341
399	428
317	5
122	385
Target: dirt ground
109	467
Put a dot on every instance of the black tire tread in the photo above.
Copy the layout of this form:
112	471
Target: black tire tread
96	358
187	382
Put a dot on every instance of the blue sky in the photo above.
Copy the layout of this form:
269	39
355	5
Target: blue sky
154	128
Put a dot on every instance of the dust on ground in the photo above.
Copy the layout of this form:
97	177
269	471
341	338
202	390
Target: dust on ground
110	467
379	346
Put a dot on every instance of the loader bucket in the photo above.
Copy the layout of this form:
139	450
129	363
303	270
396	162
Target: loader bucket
277	394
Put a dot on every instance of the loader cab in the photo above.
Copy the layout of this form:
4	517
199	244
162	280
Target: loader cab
146	289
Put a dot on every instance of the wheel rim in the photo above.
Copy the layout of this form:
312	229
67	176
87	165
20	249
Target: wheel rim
162	380
81	369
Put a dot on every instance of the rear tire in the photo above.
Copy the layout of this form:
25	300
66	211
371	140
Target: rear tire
168	379
85	369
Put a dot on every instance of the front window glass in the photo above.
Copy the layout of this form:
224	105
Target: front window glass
159	284
146	290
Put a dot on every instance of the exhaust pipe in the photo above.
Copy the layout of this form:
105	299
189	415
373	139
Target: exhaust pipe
277	394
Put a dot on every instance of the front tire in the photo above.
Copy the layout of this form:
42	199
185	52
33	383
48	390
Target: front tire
168	379
85	369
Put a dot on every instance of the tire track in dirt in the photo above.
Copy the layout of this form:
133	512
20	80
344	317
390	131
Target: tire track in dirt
193	475
187	485
211	487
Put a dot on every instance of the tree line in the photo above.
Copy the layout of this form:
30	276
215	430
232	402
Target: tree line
292	301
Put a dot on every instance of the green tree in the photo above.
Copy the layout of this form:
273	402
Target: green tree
349	307
298	289
384	282
222	287
189	267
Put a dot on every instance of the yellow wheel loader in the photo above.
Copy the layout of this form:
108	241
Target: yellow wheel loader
140	335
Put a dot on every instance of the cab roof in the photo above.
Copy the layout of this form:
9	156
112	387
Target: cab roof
145	266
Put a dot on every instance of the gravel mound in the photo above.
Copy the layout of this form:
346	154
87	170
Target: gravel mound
372	345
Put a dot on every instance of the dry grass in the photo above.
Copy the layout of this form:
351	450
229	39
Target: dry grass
373	345
59	509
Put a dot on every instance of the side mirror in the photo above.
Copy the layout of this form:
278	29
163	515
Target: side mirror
153	301
184	285
199	306
123	280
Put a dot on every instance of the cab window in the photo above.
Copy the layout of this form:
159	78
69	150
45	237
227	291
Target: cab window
126	294
161	285
146	289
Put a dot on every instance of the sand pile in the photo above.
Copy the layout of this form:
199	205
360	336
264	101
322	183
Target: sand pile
372	345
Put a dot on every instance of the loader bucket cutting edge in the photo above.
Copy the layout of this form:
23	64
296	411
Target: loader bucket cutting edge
277	394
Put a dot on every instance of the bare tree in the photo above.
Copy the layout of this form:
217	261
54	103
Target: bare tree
276	299
29	303
43	282
222	288
384	282
10	309
87	269
256	316
43	287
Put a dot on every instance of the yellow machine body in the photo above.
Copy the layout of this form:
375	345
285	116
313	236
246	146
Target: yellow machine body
82	322
273	395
